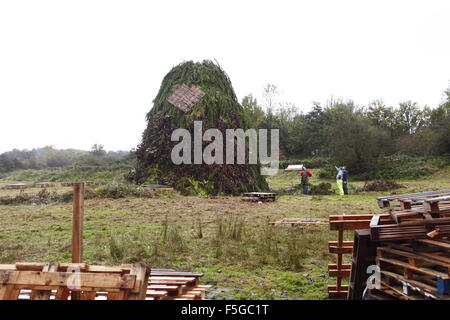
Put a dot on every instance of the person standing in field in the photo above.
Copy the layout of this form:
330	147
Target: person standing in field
305	174
345	179
339	180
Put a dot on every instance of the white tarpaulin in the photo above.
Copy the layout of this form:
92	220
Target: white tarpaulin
294	167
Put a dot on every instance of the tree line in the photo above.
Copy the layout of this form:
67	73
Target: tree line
49	157
359	136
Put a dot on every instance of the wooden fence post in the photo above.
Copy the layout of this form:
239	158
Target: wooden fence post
77	228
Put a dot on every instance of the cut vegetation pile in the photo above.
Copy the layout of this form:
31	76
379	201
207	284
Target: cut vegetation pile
204	93
380	185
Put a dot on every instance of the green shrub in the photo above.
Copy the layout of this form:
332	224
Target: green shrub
323	188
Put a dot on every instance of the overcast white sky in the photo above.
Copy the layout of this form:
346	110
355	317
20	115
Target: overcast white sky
75	73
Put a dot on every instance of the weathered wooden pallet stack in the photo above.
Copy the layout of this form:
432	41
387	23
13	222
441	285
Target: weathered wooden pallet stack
259	196
413	270
418	215
52	281
20	186
45	281
300	221
412	250
71	184
44	185
167	284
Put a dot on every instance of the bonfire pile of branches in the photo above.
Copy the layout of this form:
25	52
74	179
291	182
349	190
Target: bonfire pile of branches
380	185
219	109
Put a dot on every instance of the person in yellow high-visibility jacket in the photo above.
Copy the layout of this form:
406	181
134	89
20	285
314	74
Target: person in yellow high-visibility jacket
339	180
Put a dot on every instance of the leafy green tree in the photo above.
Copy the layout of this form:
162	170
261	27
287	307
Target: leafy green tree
98	150
352	140
253	111
380	115
408	118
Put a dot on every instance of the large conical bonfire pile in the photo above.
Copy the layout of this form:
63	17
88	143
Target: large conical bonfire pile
194	92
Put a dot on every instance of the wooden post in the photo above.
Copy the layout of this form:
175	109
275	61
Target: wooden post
77	228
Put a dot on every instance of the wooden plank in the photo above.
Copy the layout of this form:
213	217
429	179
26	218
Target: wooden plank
36	278
337	294
88	295
436	243
344	243
419	256
156	293
8	292
121	295
405	265
341	250
344	273
141	272
417	284
350	224
344	266
37	266
44	294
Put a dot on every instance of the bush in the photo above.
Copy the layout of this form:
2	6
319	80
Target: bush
117	190
394	167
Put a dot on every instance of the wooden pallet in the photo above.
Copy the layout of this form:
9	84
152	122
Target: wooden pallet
340	247
428	208
409	199
259	196
20	186
44	281
71	184
44	185
168	284
157	187
384	228
300	221
416	269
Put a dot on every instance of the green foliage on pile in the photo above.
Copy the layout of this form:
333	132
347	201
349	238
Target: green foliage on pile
219	102
218	108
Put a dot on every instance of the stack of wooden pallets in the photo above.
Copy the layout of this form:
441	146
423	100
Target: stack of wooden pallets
167	284
44	185
417	215
409	245
259	196
54	281
71	184
413	270
48	281
20	186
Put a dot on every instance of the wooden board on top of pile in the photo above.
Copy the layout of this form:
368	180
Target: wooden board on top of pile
294	167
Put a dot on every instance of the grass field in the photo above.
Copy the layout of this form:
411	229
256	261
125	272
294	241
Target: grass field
227	239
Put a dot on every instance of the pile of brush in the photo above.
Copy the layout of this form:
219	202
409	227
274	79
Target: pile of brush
214	103
380	185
